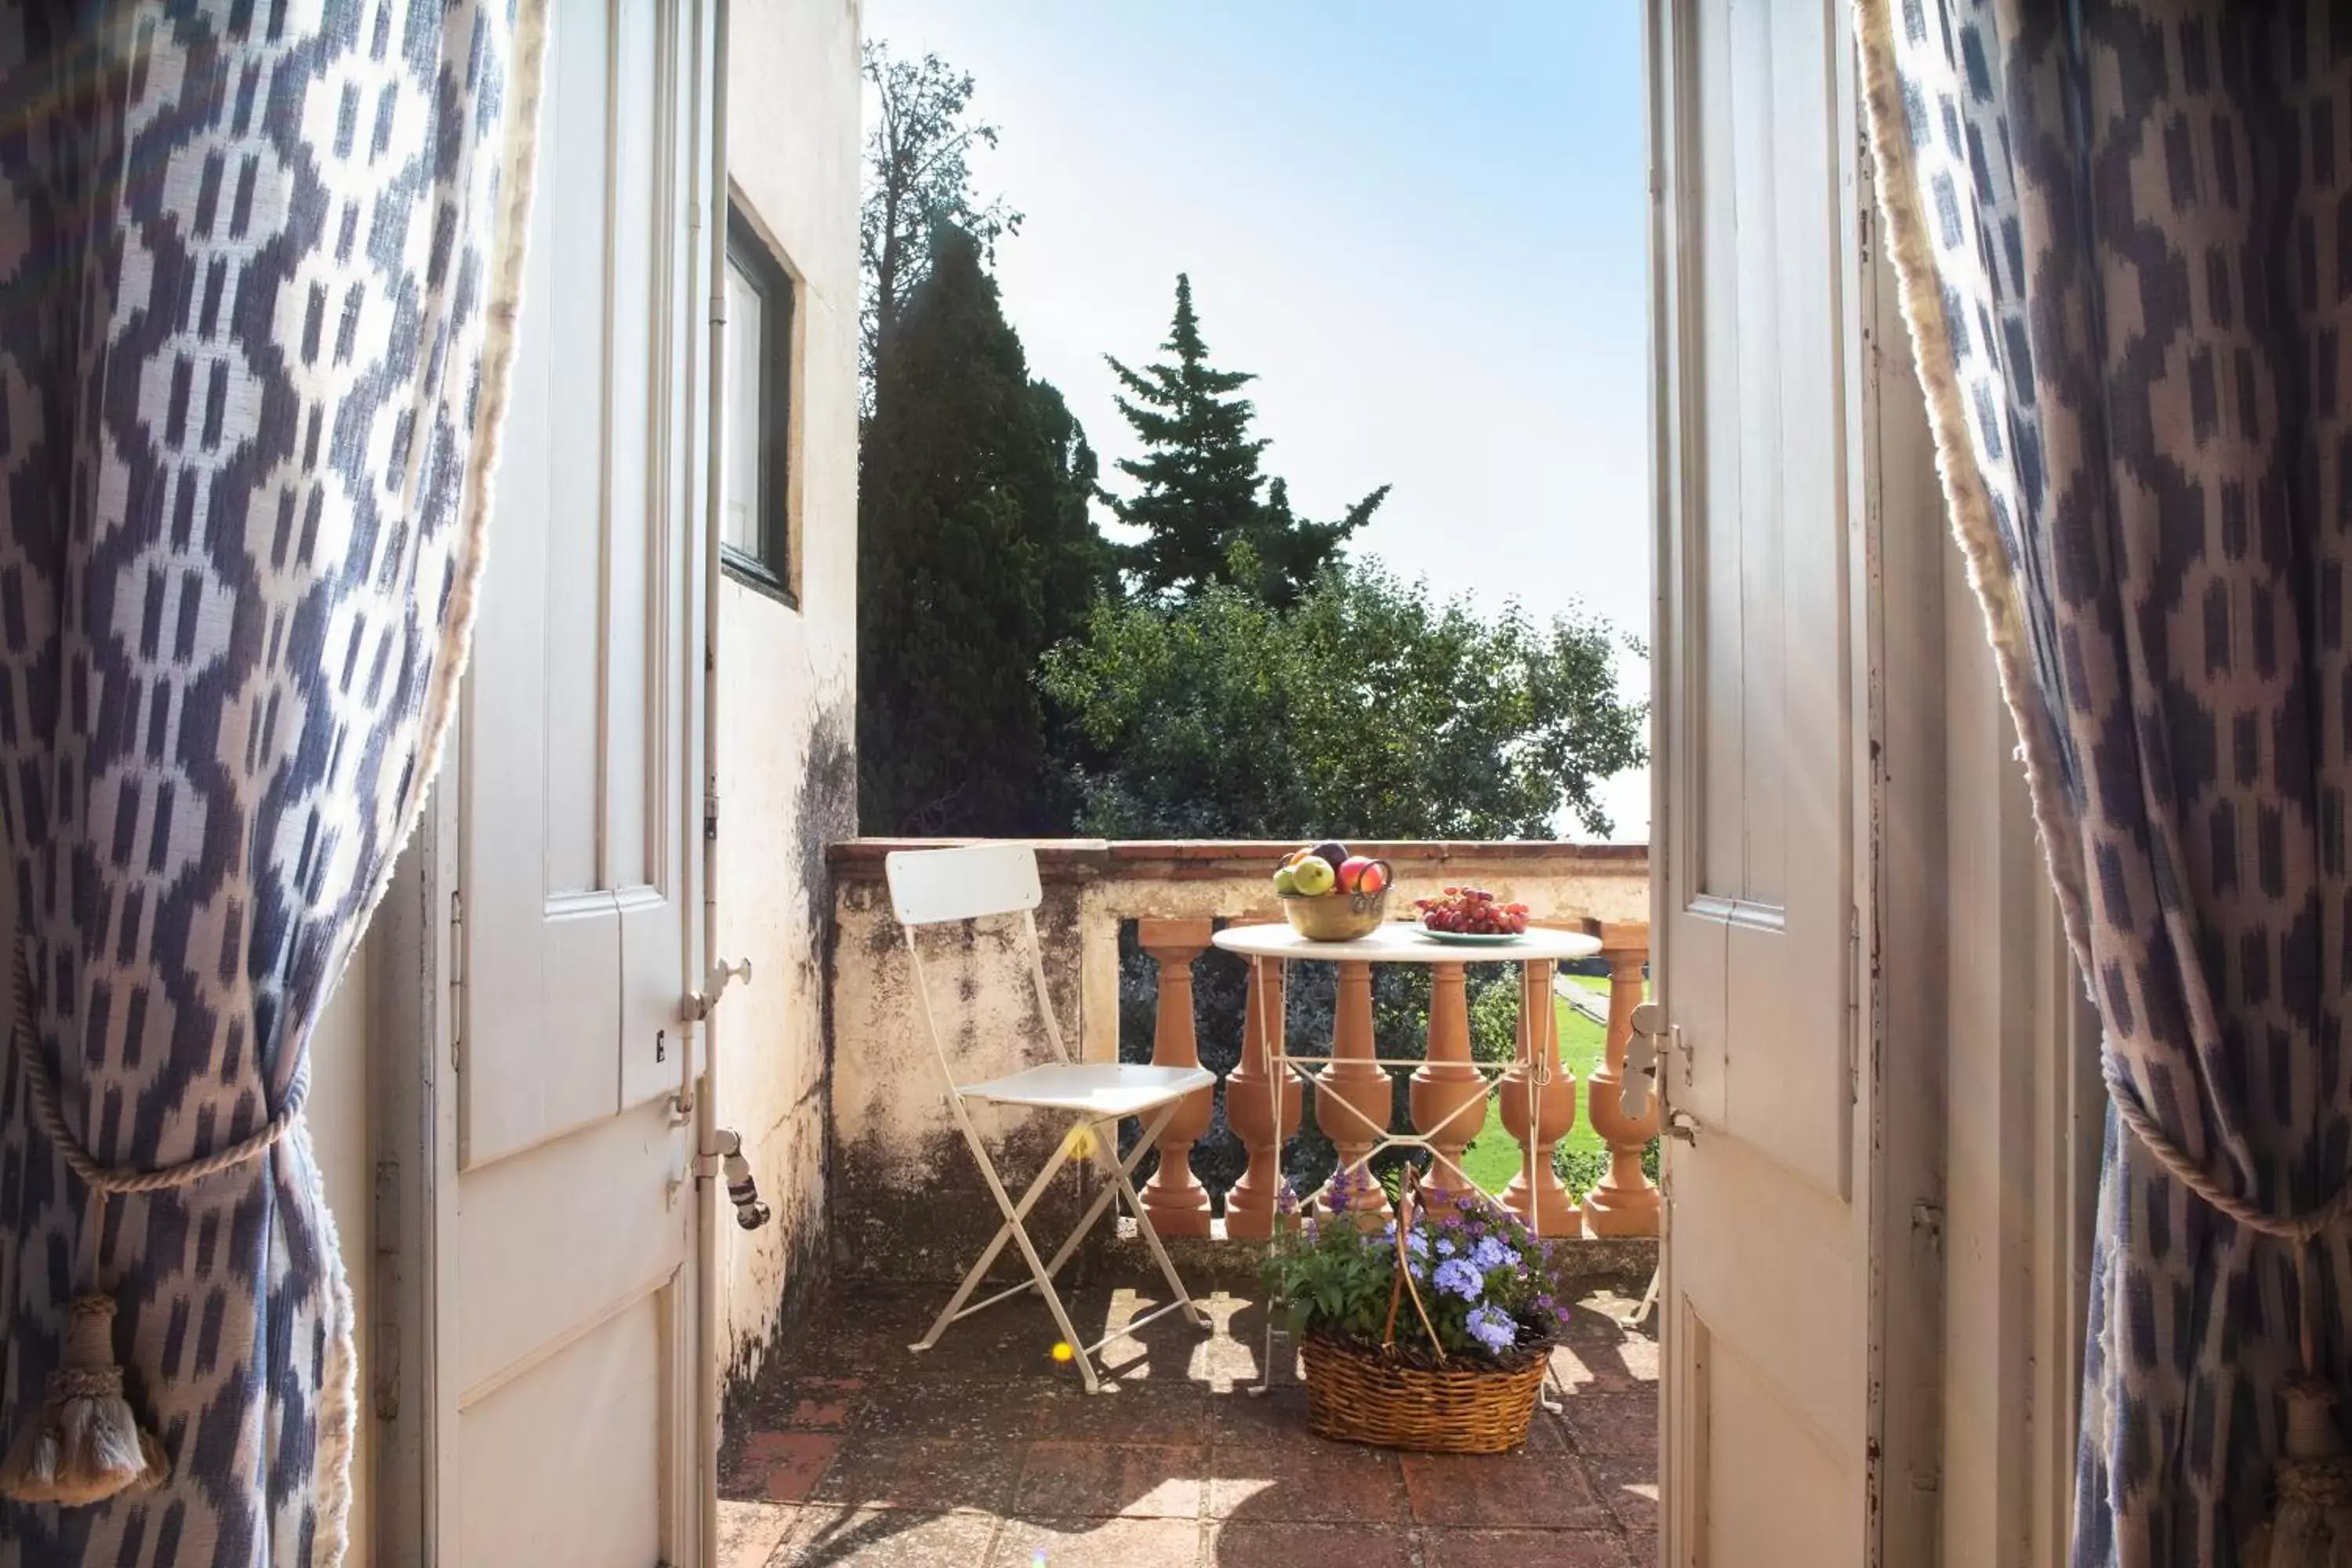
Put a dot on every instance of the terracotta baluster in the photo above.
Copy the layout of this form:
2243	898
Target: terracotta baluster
1626	1203
1449	1094
1352	1094
1262	1113
1178	1203
1546	1208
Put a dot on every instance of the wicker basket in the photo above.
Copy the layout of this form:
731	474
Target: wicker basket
1399	1399
1360	1395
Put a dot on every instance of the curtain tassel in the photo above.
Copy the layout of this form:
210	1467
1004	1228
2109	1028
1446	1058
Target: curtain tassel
2312	1525
83	1445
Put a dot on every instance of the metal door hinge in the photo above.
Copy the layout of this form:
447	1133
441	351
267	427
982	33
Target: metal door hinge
711	815
457	981
1682	1124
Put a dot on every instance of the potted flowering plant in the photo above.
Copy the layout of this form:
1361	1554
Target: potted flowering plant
1431	1331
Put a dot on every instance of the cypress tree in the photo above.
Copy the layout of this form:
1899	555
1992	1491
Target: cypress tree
975	554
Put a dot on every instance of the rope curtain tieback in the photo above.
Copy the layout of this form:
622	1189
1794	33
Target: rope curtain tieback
82	1444
2300	1228
2311	1522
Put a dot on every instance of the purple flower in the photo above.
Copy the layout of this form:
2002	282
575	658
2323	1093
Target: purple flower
1285	1199
1446	1247
1455	1277
1490	1254
1491	1327
1452	1222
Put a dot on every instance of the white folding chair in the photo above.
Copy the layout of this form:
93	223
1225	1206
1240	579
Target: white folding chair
947	886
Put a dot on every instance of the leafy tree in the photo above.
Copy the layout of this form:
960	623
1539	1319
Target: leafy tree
1200	481
975	554
918	180
1366	710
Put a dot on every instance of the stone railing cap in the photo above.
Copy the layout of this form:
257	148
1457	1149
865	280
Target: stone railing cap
1072	859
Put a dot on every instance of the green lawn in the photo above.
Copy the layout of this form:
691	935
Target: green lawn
1493	1158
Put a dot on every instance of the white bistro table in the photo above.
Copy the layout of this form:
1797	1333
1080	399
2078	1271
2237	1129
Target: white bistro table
1449	1088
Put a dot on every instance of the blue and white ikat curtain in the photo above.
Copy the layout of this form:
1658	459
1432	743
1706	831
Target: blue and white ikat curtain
257	268
2123	230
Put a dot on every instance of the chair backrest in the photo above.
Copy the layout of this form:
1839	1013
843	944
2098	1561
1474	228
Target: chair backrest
933	886
940	887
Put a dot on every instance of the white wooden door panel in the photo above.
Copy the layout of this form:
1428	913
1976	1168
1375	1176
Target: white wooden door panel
546	1247
539	1037
561	1432
569	1343
1766	1310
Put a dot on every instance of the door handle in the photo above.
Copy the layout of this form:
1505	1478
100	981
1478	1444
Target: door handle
698	1003
1641	1062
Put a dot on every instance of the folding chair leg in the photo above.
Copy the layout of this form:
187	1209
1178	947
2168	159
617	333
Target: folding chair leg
1013	1216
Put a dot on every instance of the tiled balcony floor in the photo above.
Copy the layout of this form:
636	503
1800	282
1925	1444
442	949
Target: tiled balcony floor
984	1451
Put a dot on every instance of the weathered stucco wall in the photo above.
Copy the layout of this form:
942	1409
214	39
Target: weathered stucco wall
786	689
905	1202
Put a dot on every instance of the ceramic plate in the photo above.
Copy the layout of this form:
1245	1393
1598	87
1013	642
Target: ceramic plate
1470	939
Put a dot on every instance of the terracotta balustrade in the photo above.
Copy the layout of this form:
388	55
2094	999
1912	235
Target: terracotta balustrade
1449	1094
1352	1093
1626	1201
1174	1197
1262	1113
1545	1205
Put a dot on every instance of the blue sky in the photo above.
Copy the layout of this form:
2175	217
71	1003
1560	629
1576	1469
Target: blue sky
1423	227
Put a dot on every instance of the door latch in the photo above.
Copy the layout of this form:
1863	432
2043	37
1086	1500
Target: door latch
1641	1062
698	1003
1682	1124
727	1161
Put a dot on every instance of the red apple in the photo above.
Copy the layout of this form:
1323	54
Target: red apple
1351	874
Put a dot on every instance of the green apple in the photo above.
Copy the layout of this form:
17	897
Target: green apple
1314	876
1285	881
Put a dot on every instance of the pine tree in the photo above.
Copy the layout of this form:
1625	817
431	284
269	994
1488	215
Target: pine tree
975	554
1200	481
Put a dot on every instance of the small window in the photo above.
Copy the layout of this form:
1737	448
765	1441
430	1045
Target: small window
755	527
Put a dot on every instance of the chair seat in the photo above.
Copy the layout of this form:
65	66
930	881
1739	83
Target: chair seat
1099	1088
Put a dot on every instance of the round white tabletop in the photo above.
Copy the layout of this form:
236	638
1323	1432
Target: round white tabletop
1401	941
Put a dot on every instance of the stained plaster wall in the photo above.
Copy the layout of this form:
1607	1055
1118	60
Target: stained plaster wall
786	687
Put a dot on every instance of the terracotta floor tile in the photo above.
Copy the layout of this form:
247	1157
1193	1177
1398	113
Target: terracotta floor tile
887	1538
1097	1543
1310	1481
1619	1424
1130	1413
1499	1491
1522	1549
983	1449
1081	1480
933	1476
1629	1487
1242	1419
1235	1544
958	1412
750	1532
789	1465
822	1403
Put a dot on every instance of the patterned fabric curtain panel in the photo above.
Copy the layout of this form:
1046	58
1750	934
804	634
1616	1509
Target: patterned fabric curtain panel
258	268
2123	230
